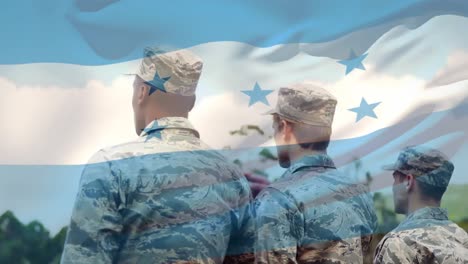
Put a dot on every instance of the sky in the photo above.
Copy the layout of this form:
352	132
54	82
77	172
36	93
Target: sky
55	116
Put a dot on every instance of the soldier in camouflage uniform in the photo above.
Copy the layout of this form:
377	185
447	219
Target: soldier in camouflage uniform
313	214
165	197
421	176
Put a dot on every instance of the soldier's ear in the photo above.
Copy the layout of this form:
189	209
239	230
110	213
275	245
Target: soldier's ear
410	181
142	93
279	124
140	90
286	128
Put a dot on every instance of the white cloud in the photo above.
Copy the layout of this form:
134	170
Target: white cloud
217	115
65	76
455	70
51	125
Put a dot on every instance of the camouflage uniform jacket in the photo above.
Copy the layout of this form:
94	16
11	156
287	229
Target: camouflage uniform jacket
425	236
164	198
313	214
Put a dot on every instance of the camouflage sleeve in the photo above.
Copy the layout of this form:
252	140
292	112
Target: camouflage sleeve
242	240
93	234
280	227
393	250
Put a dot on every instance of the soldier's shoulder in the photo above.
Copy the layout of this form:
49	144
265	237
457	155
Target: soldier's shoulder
392	242
282	188
273	195
395	236
391	249
311	184
321	177
137	147
414	236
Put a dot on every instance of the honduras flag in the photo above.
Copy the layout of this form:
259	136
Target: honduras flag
399	70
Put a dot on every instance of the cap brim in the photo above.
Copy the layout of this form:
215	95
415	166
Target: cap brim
271	112
389	167
132	75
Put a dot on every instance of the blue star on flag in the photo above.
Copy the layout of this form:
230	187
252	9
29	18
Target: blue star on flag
364	110
353	62
154	131
257	95
157	83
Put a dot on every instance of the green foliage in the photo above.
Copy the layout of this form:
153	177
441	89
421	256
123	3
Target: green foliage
29	243
238	162
267	155
454	201
463	224
244	130
386	216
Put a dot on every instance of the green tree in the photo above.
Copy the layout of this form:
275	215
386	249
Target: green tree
29	243
463	224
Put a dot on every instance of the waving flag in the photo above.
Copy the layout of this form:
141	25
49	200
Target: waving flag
398	70
108	31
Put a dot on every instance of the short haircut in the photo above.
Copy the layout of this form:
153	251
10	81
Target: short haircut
427	190
174	103
431	191
309	137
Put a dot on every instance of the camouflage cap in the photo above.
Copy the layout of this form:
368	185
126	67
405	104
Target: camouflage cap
426	164
306	103
181	69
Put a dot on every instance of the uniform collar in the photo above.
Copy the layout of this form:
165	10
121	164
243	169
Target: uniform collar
169	125
318	160
424	217
435	213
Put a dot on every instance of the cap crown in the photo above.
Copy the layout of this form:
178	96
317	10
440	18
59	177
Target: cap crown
181	68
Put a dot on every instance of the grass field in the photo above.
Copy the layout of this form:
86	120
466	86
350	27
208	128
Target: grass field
456	202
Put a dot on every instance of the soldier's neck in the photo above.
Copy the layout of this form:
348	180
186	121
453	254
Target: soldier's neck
417	204
157	115
299	153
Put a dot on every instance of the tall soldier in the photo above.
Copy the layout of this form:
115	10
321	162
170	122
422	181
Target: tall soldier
313	214
421	176
163	198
